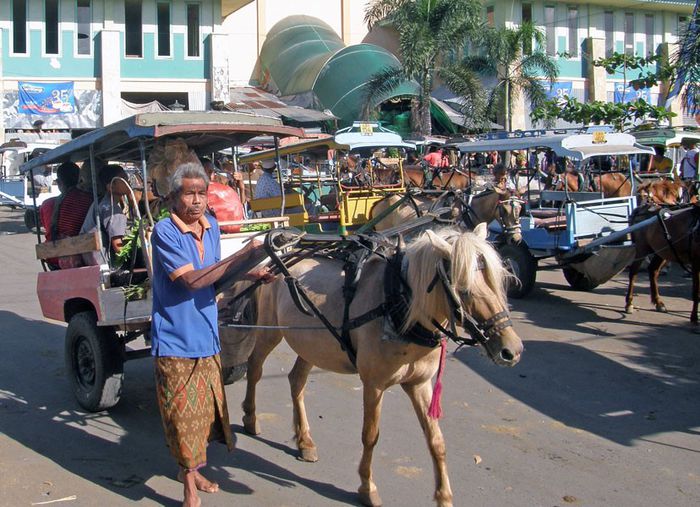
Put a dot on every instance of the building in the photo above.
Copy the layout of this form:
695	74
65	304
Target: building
589	30
88	63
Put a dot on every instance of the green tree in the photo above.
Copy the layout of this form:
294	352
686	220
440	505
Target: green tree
687	62
428	31
507	56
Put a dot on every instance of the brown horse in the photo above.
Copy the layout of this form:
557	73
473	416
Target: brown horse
610	184
445	179
662	192
673	237
476	285
484	207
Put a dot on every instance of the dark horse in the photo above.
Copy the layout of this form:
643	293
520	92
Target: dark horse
673	237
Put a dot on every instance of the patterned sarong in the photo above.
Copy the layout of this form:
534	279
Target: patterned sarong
192	406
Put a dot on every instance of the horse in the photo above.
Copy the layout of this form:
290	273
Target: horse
662	192
442	179
473	280
492	204
610	184
673	237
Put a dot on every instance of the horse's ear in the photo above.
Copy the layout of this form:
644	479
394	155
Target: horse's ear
438	242
499	190
481	230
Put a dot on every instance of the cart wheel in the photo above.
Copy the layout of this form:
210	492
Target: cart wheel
31	219
234	373
522	265
94	363
577	280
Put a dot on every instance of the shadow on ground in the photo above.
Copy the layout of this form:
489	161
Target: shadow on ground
119	450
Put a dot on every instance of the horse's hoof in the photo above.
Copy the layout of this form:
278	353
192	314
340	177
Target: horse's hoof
629	309
308	454
660	307
370	498
250	425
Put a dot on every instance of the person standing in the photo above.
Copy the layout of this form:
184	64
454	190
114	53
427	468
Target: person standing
689	164
184	333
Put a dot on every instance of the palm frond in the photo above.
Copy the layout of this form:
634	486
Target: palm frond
381	10
381	85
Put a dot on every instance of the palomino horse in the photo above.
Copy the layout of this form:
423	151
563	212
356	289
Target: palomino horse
473	209
610	184
473	285
673	237
662	192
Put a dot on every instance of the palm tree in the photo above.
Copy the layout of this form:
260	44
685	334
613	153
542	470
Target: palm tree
428	30
687	62
507	54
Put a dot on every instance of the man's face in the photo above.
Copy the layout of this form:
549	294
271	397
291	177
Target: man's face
191	201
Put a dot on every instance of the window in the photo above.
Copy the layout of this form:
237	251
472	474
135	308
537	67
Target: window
573	31
629	33
133	35
163	15
84	35
549	30
609	21
192	29
649	31
19	26
527	18
490	20
51	27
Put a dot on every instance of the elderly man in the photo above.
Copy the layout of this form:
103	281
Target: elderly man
185	337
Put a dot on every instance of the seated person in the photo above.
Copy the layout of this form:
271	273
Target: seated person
222	200
434	158
268	186
42	181
63	216
659	162
112	217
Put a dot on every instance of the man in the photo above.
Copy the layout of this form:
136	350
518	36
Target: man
63	216
185	336
659	162
268	186
689	164
43	181
112	218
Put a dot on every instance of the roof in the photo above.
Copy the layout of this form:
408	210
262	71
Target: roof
204	132
666	136
256	101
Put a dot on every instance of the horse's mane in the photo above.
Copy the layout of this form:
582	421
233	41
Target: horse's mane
462	250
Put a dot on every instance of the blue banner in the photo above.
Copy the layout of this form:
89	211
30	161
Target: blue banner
46	98
560	89
630	94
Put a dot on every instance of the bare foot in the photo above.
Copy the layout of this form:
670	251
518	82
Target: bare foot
200	482
191	498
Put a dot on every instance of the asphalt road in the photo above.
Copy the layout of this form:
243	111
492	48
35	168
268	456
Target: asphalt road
603	410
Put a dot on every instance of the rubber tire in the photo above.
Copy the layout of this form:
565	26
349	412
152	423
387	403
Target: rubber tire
31	219
578	280
234	373
519	257
98	385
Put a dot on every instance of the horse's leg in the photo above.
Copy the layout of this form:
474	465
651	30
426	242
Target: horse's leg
264	344
297	383
420	397
634	269
654	267
372	401
696	291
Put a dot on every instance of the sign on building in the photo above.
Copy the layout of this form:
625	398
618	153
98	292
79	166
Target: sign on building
46	98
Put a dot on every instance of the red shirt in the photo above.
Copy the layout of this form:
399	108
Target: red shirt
74	206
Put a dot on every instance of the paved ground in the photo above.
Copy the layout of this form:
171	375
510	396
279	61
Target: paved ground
602	411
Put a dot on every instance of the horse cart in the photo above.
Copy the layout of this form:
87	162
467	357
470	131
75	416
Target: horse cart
586	232
95	301
331	184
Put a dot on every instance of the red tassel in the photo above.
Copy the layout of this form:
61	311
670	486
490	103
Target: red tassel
435	409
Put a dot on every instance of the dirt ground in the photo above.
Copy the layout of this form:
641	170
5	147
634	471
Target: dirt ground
603	410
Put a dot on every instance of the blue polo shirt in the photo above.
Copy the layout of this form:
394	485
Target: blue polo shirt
184	322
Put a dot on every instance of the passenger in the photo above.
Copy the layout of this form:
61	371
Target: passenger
185	337
63	216
223	200
689	164
43	181
112	217
659	163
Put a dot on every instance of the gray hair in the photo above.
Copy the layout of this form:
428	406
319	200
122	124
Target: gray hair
193	170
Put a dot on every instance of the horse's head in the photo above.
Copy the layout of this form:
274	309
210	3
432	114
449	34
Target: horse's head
509	209
458	278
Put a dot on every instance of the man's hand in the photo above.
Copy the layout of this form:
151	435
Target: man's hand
264	274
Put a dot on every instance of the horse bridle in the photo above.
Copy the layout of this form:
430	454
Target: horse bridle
509	229
480	332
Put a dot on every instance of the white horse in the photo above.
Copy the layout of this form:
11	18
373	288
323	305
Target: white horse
472	283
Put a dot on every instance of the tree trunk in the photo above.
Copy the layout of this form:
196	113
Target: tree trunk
508	123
